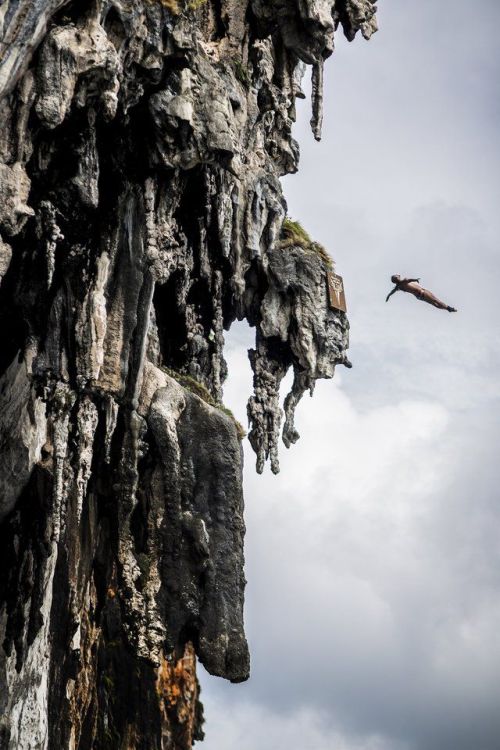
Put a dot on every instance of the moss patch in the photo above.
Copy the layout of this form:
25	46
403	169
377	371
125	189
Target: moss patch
200	390
240	430
293	234
241	72
193	385
172	5
177	6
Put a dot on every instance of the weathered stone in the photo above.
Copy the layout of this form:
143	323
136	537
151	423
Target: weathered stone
22	27
14	191
201	524
68	54
141	148
5	258
23	432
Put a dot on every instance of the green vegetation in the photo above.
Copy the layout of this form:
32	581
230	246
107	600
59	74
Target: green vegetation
293	234
177	6
193	385
240	430
200	390
171	5
241	72
109	683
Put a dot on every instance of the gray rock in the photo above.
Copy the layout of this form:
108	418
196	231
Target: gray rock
23	432
141	210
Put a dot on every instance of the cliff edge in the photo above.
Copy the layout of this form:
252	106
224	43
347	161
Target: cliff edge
141	213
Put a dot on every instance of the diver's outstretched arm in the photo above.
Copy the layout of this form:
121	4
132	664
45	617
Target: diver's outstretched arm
391	293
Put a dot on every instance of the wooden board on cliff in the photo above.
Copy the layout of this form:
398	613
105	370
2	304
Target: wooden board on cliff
336	294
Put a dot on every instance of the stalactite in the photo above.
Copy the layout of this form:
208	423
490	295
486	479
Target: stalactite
317	99
61	404
87	419
264	411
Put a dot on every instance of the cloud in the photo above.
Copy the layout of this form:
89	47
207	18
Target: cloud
369	608
373	607
250	727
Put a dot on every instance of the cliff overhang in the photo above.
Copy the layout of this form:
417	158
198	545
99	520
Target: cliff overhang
141	214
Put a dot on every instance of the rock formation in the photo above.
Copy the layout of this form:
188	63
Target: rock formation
141	211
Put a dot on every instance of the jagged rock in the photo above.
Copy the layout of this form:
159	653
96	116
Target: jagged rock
14	191
23	432
197	487
5	258
297	328
141	212
70	54
22	26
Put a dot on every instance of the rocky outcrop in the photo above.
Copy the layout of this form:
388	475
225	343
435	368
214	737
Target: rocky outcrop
141	212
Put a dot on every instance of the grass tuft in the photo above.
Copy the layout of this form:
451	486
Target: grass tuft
177	6
241	73
172	5
193	385
200	390
294	234
240	430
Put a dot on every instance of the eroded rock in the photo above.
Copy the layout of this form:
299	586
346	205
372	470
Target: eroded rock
14	191
23	432
141	214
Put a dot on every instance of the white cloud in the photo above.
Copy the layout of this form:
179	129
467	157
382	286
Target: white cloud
251	727
364	571
373	559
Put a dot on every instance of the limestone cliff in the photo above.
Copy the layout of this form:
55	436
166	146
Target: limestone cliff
141	213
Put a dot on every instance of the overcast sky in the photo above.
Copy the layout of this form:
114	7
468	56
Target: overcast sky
373	559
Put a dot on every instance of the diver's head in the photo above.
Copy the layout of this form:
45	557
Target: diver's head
396	278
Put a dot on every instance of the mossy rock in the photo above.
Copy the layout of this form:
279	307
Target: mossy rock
176	7
195	4
241	72
293	234
200	390
193	385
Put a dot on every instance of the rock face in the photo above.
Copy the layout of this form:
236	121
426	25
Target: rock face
141	147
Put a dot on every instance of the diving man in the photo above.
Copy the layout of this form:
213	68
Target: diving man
413	287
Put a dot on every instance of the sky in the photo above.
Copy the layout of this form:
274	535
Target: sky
373	560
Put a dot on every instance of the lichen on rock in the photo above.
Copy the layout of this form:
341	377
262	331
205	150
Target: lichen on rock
141	214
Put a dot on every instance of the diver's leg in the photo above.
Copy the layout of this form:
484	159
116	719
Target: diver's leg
431	298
